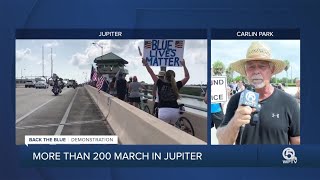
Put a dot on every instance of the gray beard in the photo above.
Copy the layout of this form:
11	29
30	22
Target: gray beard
260	85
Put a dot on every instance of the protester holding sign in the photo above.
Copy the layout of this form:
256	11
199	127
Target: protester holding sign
168	91
216	113
218	95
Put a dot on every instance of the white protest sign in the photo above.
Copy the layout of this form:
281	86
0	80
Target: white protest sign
218	89
163	52
70	139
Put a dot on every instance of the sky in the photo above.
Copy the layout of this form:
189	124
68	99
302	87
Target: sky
229	51
72	59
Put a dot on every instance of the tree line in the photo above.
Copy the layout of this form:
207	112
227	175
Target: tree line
218	69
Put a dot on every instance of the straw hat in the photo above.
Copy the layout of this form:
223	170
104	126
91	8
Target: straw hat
161	73
258	52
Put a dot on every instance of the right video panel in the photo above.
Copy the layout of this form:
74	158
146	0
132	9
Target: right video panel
255	87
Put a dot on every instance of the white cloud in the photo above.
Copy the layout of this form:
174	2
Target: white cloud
50	44
79	60
53	56
25	55
229	51
195	54
76	56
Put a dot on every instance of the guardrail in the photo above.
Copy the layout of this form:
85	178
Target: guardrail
134	126
183	95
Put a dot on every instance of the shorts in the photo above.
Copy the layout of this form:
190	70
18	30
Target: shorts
169	115
217	119
134	99
121	96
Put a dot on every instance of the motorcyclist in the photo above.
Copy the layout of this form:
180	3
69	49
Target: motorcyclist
61	83
57	81
74	84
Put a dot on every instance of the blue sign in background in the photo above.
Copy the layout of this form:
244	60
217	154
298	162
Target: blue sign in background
142	14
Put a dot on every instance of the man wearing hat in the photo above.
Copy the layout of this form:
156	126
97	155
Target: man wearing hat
160	75
279	116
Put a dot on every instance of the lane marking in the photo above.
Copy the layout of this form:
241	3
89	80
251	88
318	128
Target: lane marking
65	116
52	125
24	116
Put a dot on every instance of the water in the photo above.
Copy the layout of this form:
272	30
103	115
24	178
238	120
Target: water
194	102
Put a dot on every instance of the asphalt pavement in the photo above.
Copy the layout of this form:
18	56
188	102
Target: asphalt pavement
39	112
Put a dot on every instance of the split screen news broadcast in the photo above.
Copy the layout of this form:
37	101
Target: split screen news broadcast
149	97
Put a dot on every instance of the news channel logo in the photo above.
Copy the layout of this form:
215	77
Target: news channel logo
249	98
289	156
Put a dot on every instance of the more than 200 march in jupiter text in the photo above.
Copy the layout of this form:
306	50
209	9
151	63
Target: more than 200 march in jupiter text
114	156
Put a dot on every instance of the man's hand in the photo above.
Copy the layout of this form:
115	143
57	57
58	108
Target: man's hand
242	116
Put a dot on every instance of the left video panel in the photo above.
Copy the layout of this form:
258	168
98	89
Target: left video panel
111	91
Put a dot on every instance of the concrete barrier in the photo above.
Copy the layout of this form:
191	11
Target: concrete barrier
134	126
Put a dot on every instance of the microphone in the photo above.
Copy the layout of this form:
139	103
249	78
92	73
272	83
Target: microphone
250	98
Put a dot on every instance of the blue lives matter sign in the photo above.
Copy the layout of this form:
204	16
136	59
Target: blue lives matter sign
163	52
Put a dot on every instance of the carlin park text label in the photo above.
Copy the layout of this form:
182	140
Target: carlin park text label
98	156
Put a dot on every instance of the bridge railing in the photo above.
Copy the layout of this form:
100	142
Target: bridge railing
134	126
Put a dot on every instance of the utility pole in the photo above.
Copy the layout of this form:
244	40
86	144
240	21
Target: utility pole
51	64
42	61
291	75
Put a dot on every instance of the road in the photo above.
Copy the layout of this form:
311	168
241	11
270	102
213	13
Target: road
39	112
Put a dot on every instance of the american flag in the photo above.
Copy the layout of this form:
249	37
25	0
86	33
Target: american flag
94	76
100	82
147	44
179	44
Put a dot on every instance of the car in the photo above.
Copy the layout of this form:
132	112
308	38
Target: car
70	83
65	81
41	84
30	83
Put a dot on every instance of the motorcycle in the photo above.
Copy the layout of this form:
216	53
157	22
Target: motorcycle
56	89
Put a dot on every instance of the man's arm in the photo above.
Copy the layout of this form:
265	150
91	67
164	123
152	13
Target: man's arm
227	134
235	117
294	128
295	140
